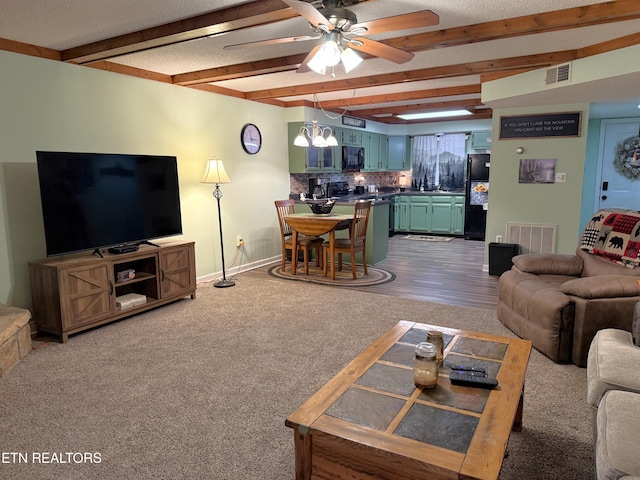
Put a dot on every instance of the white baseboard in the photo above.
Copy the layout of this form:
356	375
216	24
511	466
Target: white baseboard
235	270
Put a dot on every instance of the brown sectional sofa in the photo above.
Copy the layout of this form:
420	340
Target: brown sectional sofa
559	302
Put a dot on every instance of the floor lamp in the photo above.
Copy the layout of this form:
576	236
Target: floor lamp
214	173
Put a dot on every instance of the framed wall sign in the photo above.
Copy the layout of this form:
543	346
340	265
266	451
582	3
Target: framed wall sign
353	121
565	124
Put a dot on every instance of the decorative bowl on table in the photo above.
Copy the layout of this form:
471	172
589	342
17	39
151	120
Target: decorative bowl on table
321	207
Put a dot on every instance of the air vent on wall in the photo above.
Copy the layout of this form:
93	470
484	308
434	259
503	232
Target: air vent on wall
558	74
532	238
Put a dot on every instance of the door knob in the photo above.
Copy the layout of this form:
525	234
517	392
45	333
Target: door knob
604	197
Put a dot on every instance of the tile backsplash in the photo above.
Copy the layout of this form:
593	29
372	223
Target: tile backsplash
299	182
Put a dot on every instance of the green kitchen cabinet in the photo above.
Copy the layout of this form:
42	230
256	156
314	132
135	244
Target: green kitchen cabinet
441	214
351	137
481	140
375	152
399	153
311	159
402	214
441	210
457	215
419	213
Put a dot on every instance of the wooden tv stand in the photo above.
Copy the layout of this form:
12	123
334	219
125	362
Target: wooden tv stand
79	292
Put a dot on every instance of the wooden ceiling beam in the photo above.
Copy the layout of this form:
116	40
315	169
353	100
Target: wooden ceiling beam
243	70
401	96
600	13
247	15
28	49
471	68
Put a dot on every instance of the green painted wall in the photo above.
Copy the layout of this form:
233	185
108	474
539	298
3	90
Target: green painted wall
557	203
49	105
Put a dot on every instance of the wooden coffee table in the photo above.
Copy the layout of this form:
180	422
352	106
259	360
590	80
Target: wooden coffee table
370	421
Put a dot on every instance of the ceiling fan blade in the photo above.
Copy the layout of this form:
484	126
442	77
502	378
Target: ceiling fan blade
310	12
273	41
381	50
423	18
304	67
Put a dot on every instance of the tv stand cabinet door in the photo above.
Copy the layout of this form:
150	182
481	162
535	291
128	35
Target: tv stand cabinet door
177	271
86	295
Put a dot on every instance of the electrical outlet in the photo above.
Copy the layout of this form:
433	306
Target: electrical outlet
498	238
239	241
561	177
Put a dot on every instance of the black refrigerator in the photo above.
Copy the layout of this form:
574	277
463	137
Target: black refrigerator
477	196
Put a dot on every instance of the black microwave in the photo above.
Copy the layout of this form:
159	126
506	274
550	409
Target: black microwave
352	159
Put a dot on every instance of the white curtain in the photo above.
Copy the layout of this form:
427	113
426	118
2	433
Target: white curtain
428	155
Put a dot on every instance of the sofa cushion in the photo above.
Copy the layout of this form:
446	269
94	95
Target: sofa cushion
602	286
538	263
593	265
613	363
617	427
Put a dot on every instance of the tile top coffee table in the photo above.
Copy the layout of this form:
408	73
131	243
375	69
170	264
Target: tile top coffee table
370	421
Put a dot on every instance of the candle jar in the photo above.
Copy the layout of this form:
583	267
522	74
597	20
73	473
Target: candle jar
435	337
425	366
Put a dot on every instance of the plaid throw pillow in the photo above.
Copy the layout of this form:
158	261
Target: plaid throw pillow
614	234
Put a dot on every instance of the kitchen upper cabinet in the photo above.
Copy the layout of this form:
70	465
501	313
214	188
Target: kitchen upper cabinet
481	140
375	152
351	137
311	159
399	153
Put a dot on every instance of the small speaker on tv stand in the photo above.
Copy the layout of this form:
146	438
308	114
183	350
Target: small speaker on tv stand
123	249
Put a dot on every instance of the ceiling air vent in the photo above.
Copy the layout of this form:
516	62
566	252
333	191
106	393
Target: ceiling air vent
558	74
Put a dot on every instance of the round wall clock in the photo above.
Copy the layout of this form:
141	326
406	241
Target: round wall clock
251	139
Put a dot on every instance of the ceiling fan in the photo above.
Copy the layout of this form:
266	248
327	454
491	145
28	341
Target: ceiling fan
341	33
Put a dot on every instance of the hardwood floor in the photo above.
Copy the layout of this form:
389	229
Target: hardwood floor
442	272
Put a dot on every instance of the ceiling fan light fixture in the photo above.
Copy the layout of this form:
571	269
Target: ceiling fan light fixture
435	114
350	59
317	65
329	53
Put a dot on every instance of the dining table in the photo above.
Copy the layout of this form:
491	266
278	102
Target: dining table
313	224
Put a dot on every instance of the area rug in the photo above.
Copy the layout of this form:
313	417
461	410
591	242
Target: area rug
428	238
344	278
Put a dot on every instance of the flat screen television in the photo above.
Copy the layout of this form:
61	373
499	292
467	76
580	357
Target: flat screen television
99	200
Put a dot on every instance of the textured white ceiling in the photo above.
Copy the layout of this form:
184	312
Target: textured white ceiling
62	24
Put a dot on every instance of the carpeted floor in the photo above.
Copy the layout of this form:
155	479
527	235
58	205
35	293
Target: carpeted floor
201	388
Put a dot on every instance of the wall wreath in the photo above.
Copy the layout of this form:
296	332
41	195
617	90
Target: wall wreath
627	158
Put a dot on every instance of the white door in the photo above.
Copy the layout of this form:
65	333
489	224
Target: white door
614	189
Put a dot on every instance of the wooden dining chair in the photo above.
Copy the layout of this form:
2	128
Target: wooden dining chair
305	243
357	241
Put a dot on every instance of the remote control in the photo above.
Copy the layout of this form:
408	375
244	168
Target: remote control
467	368
467	379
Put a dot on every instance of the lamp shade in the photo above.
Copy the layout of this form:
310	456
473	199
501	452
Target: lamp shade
214	173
